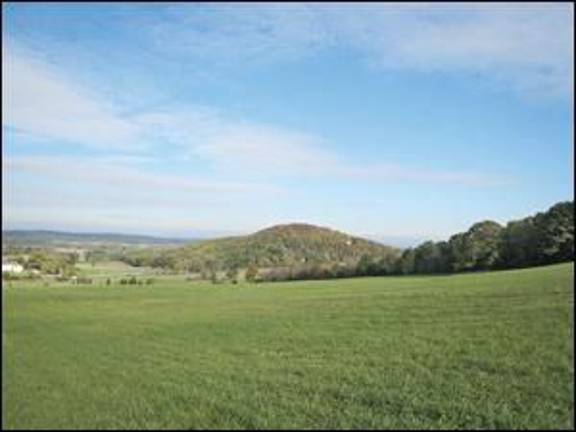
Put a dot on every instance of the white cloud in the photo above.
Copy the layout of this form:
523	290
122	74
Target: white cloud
235	145
97	220
527	47
39	100
126	175
264	147
242	32
117	193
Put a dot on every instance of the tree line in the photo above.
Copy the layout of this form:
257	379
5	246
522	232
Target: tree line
545	238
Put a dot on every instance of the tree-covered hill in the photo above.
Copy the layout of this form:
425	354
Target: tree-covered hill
302	251
277	246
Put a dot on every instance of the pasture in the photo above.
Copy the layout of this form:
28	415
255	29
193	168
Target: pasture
484	350
112	269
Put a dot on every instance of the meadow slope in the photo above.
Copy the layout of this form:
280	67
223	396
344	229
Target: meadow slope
483	350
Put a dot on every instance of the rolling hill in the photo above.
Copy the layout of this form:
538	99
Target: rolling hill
280	245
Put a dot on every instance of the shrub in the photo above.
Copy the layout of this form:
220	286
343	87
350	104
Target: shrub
84	280
10	276
251	273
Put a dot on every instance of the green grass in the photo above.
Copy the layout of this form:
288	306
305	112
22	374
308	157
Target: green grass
112	269
489	350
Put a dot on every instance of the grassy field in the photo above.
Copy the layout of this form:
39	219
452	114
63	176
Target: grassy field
112	269
490	350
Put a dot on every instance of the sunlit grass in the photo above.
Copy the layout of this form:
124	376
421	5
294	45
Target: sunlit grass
489	350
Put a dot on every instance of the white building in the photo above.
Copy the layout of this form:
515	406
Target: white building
12	267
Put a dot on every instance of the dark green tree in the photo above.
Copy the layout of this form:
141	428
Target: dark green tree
556	233
251	273
232	274
518	244
431	257
406	263
476	249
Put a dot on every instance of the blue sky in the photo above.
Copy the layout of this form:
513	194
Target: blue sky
390	120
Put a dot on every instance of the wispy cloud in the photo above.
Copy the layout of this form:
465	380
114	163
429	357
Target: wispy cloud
41	100
526	47
104	220
236	145
119	193
227	34
230	143
125	175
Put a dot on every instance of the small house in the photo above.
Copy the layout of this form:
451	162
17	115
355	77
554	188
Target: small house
12	267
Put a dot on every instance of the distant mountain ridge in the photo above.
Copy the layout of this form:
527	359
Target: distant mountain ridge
60	238
279	245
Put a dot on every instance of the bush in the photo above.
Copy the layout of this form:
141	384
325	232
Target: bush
9	276
232	274
251	273
84	280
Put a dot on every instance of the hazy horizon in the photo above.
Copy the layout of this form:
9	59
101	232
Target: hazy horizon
396	241
392	121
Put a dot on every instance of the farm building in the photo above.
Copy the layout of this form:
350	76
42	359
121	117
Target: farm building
11	267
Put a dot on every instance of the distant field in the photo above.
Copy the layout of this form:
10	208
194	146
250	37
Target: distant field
116	270
485	350
112	269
